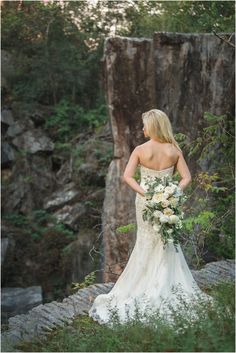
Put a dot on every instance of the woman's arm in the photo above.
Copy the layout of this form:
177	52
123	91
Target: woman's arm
129	172
184	172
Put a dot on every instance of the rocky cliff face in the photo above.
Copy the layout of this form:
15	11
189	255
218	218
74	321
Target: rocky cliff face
52	195
184	75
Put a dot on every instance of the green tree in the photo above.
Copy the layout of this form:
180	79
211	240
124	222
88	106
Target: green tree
147	17
52	56
211	203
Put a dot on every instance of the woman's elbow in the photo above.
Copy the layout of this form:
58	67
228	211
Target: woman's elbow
189	180
124	178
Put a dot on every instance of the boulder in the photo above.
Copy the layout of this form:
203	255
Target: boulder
7	117
79	256
29	184
64	174
33	141
214	272
8	155
15	129
71	215
16	300
67	195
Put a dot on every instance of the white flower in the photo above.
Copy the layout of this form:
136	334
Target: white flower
150	203
170	240
182	215
168	211
173	219
157	214
159	188
178	191
156	227
159	197
173	201
169	231
179	224
166	195
170	189
165	203
164	219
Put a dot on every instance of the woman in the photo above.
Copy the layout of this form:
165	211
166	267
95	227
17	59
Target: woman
152	274
159	152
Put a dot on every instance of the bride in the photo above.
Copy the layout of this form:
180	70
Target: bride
153	276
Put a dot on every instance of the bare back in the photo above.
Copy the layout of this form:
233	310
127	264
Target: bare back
158	156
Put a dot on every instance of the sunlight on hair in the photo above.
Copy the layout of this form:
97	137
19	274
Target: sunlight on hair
158	125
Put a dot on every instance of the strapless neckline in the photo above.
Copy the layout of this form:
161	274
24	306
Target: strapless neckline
155	170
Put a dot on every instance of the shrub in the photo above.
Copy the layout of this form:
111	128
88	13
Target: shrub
213	331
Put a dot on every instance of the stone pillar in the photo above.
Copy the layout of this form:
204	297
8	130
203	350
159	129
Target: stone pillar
130	89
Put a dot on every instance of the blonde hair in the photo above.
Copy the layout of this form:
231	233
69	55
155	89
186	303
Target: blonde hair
157	124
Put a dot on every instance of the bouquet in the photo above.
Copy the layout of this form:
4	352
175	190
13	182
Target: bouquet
164	199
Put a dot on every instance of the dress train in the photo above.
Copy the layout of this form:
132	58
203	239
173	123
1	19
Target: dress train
153	279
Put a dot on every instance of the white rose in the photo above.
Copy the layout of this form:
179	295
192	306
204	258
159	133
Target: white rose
157	214
170	190
173	201
166	195
159	197
165	203
168	211
164	219
173	219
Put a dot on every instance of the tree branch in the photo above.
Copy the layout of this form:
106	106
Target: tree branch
224	40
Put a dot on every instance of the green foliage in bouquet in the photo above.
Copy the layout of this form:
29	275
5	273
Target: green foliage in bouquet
163	208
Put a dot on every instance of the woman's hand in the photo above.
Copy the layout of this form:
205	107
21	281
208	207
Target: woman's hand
134	185
143	193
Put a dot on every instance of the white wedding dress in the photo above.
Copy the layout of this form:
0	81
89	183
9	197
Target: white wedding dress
152	274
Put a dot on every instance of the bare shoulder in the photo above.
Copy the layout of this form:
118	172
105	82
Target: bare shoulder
175	150
141	147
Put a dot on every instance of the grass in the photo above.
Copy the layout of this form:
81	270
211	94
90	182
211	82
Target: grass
213	331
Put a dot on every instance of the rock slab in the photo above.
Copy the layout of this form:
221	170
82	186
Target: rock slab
39	321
